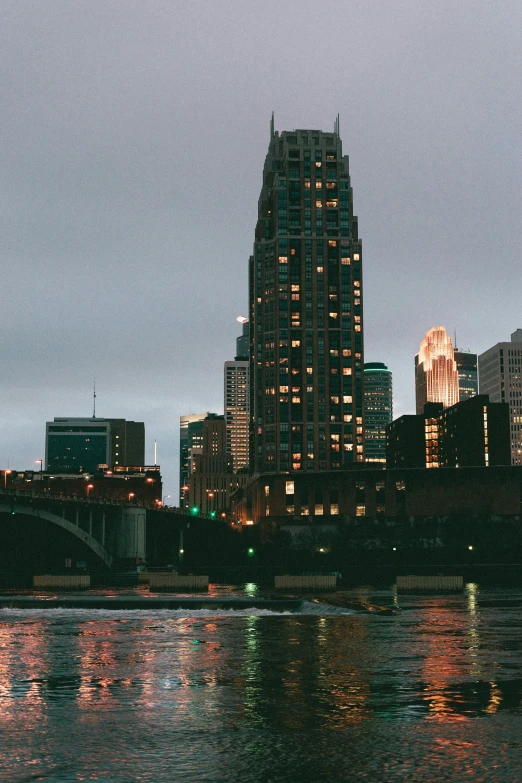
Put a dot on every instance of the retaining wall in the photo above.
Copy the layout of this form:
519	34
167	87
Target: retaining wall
315	582
435	583
170	581
62	581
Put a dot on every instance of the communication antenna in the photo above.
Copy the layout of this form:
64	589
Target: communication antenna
455	339
94	401
272	126
155	453
336	126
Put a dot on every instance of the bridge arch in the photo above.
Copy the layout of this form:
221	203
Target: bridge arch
26	510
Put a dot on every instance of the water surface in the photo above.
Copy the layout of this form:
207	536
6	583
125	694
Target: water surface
429	691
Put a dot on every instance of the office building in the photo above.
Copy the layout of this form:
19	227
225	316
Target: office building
237	401
210	480
85	445
306	319
436	375
472	433
468	374
190	443
127	442
378	410
500	376
76	445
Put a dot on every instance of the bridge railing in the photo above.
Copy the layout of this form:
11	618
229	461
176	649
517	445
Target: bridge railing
31	494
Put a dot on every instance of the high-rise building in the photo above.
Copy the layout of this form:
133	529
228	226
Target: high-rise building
468	374
190	443
378	410
77	445
210	481
471	433
237	401
306	319
500	376
436	375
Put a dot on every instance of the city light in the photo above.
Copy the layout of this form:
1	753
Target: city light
194	510
250	551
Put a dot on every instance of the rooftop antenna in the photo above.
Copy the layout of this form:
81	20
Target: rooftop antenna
94	401
155	453
336	126
272	132
455	338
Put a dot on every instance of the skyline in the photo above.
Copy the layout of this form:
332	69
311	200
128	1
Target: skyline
127	187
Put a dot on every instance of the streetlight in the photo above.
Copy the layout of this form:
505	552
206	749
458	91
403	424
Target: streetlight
89	486
165	497
131	495
210	497
5	477
41	464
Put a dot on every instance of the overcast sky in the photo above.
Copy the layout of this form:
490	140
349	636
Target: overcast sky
132	143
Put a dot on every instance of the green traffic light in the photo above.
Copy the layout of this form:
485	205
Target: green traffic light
194	510
212	514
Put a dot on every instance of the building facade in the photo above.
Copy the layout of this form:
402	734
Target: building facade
436	374
472	433
237	401
82	445
378	409
500	376
306	317
210	481
467	369
190	443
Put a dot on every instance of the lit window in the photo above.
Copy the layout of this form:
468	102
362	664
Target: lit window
289	487
345	261
320	270
319	509
319	204
334	508
296	343
360	511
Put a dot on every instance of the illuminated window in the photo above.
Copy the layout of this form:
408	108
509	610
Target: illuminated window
296	343
318	509
289	487
320	270
267	490
319	204
334	508
356	256
345	261
283	259
289	509
360	511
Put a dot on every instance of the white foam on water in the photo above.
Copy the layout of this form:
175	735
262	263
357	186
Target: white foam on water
307	608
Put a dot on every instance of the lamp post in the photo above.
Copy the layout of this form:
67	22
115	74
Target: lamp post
89	487
165	497
5	477
131	495
41	464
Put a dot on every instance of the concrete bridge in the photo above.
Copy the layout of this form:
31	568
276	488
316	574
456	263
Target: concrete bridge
105	530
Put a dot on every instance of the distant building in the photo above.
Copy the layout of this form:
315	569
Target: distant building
468	374
500	376
436	374
471	433
190	443
321	502
210	481
237	401
81	445
378	409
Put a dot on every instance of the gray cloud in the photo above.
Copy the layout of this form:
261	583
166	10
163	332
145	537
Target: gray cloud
132	143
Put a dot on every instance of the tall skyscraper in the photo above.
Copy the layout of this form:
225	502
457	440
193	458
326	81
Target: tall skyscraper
500	376
306	320
237	401
468	374
436	375
378	410
190	443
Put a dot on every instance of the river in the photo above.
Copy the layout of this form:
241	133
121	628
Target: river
414	688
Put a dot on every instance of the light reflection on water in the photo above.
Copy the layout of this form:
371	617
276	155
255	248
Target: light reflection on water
431	692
